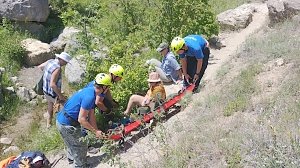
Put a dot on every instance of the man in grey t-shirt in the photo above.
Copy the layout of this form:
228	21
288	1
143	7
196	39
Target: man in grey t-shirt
169	69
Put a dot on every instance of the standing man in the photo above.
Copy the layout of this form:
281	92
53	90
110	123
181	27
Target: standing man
194	54
79	112
52	81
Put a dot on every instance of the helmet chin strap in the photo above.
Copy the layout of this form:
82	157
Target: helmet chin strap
113	78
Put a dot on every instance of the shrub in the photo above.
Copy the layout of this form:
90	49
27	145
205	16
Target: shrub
181	18
11	58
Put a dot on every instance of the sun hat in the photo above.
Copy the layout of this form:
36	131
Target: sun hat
154	77
162	46
64	56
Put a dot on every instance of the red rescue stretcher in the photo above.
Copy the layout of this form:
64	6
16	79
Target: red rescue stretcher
118	135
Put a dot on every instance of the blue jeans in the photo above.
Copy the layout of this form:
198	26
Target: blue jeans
192	67
77	150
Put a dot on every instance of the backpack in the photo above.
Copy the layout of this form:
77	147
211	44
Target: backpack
30	159
5	162
38	88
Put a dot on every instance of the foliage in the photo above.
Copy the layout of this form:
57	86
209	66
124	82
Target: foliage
52	27
43	140
181	18
11	52
11	58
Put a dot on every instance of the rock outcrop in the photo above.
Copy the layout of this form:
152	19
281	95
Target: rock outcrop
280	10
37	52
238	18
76	70
67	39
25	10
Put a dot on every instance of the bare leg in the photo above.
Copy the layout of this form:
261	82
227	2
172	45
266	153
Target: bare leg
50	113
134	100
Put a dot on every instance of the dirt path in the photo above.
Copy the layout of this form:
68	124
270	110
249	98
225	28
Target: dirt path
146	149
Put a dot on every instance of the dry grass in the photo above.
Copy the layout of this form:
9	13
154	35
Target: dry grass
261	133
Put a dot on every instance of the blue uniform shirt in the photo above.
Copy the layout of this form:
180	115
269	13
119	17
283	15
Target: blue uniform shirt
195	44
90	84
84	98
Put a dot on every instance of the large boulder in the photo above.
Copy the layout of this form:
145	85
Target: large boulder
238	18
37	52
280	10
75	71
66	39
25	10
34	28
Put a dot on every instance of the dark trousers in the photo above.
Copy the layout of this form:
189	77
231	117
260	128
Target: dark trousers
192	67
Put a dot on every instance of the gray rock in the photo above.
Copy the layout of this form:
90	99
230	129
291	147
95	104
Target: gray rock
2	69
276	11
75	71
280	10
10	89
237	18
44	101
30	76
33	102
32	94
25	10
11	149
292	7
14	79
23	94
19	84
279	62
67	36
37	52
216	42
6	141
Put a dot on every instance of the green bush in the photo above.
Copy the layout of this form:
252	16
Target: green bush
11	58
126	28
11	51
181	18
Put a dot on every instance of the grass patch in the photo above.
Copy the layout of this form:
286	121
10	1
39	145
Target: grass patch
11	58
241	91
38	139
225	69
220	6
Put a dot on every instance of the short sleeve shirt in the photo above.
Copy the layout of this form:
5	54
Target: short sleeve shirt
84	98
195	44
153	92
170	66
90	84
